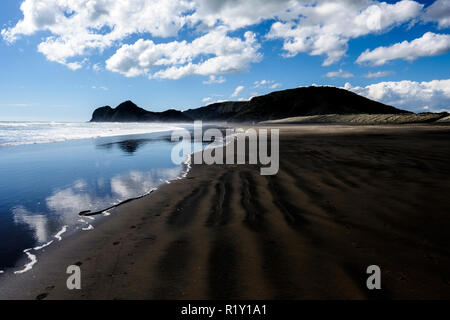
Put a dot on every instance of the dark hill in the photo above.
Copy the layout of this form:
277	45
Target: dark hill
310	101
305	101
220	111
129	112
170	115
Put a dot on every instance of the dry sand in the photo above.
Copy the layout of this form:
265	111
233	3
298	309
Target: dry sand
344	198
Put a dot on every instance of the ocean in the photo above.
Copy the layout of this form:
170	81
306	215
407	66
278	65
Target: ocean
50	172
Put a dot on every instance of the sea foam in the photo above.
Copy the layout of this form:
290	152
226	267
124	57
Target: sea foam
59	234
29	265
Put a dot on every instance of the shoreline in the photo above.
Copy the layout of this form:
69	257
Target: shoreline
225	232
186	165
30	260
27	254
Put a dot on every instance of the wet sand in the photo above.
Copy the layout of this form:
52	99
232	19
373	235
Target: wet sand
345	197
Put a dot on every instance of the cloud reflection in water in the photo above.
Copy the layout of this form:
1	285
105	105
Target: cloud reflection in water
37	223
68	202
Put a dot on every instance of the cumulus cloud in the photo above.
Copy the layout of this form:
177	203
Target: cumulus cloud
410	95
430	44
439	12
235	14
237	91
212	54
80	28
77	29
378	74
339	74
326	27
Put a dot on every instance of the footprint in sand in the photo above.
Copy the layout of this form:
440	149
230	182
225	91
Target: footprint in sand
42	296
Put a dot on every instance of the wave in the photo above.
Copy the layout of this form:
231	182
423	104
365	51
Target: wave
20	133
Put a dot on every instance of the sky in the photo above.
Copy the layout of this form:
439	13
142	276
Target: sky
61	59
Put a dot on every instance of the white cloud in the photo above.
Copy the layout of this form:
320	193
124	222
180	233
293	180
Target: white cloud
275	86
271	84
211	100
77	29
81	28
212	54
237	91
409	95
326	27
378	74
339	74
72	65
430	44
214	79
235	14
439	12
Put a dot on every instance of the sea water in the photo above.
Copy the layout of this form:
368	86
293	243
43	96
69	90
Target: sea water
50	172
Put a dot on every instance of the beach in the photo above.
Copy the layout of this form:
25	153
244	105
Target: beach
345	198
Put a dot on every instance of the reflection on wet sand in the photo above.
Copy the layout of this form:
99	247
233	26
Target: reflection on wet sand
68	202
35	222
130	146
136	183
127	146
63	179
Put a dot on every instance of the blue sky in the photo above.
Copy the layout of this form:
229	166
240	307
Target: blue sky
59	60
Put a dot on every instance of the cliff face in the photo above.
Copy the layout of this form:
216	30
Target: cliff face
102	114
306	101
